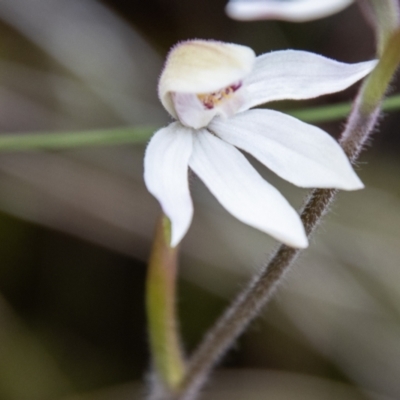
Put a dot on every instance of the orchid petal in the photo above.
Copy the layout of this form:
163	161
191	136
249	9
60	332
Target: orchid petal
190	110
166	176
298	152
243	192
203	66
295	11
292	74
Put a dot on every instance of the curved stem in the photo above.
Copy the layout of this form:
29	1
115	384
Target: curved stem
384	16
161	312
248	304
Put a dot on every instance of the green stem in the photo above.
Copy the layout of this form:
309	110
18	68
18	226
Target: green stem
136	135
161	311
377	82
337	111
67	140
384	15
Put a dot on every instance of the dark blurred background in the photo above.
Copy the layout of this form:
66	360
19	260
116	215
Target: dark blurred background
76	226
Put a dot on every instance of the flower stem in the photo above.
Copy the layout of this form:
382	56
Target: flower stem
249	303
334	112
10	142
161	311
384	16
68	140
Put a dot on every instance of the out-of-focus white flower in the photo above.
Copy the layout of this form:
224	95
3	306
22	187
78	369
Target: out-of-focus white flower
209	87
289	10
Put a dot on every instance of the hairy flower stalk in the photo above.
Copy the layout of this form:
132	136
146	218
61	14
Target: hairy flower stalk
249	303
384	16
167	357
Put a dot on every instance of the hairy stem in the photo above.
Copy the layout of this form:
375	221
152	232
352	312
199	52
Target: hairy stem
161	313
249	303
384	16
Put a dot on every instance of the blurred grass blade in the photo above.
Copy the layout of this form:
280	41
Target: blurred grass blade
337	111
100	48
48	141
137	135
322	113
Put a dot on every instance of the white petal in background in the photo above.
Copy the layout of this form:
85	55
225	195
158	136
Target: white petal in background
243	192
298	152
166	175
296	75
295	10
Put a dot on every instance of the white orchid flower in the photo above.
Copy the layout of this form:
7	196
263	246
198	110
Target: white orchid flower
289	10
209	87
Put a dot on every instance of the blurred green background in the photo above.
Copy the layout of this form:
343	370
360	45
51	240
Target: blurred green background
76	226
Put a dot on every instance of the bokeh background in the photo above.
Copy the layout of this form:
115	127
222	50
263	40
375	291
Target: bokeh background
76	225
